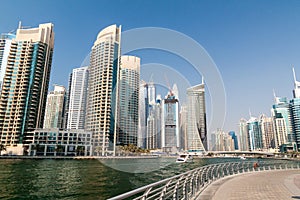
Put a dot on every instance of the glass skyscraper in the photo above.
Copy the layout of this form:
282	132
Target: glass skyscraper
243	135
101	117
25	84
254	135
128	100
282	121
170	129
143	114
295	113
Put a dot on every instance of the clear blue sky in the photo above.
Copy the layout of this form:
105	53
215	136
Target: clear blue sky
253	43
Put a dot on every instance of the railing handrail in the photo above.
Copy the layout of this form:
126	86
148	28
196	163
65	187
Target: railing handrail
211	173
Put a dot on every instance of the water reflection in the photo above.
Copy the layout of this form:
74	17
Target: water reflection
84	179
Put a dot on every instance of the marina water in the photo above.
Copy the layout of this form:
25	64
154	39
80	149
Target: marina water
86	179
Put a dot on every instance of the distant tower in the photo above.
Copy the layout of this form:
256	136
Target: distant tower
151	93
170	129
77	97
183	127
254	135
55	107
129	99
102	104
5	43
25	88
153	139
143	114
243	135
296	91
268	132
295	119
281	115
197	132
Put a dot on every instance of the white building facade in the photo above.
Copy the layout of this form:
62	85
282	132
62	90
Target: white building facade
77	98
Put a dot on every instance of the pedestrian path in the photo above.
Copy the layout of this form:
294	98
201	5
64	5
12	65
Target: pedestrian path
264	185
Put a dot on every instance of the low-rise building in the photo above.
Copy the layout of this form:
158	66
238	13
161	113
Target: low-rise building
57	142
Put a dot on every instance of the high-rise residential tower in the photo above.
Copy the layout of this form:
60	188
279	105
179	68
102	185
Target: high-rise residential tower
25	84
153	138
281	115
55	108
170	129
243	135
254	135
267	132
143	114
128	114
5	43
77	96
102	99
151	93
196	124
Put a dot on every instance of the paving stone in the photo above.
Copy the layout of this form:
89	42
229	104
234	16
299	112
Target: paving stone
281	185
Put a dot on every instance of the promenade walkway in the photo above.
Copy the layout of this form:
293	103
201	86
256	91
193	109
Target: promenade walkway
264	185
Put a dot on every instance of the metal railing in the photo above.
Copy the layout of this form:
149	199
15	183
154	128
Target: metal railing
190	184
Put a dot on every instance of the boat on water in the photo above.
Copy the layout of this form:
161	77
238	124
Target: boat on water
242	158
184	158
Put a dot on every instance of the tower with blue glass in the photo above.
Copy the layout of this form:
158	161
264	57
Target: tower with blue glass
25	84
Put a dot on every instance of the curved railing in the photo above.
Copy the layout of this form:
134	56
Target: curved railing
190	184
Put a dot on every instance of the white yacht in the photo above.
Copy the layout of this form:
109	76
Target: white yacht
182	158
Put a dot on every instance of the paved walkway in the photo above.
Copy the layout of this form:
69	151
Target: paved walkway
264	185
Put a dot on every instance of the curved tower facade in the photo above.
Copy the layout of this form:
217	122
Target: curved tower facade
103	90
196	125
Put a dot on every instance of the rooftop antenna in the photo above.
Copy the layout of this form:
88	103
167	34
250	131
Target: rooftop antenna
294	74
151	78
274	94
20	25
250	113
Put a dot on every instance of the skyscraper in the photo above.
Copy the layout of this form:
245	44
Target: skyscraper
196	130
143	114
129	98
102	101
243	135
281	115
295	119
267	132
55	107
77	96
5	43
170	129
153	138
25	85
254	135
296	91
151	93
183	127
